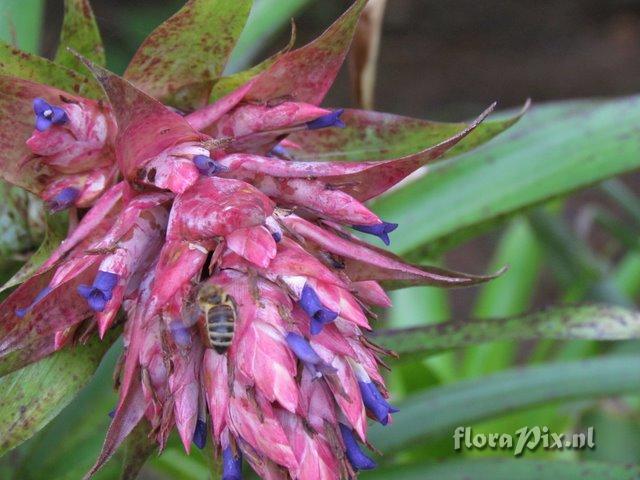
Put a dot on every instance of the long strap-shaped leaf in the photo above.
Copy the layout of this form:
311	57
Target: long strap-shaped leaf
507	469
589	322
555	149
439	410
80	33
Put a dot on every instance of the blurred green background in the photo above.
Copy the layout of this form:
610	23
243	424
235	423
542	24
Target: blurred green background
448	61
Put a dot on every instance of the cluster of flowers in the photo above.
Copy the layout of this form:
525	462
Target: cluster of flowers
171	201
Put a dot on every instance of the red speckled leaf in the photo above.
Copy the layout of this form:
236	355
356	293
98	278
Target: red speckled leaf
366	262
381	136
228	84
21	64
307	73
362	181
190	48
61	308
80	33
145	126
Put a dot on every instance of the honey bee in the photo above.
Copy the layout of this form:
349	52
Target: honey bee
217	318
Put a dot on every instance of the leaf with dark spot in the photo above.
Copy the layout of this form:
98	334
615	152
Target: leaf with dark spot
21	64
381	136
589	322
191	47
34	395
80	33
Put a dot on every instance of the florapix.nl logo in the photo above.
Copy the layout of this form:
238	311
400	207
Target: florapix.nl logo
523	439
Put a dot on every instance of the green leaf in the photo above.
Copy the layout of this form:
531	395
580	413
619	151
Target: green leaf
35	394
265	19
55	233
508	295
137	449
556	149
439	410
21	64
382	136
80	33
20	22
590	322
67	447
20	220
188	49
507	469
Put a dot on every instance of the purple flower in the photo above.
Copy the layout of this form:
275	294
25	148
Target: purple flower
279	151
357	458
21	312
380	230
100	292
231	465
329	120
47	115
200	434
180	333
319	314
207	166
307	355
64	199
375	402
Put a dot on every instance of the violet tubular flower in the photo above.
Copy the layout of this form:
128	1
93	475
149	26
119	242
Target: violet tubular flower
307	355
329	120
380	230
231	465
200	434
21	312
318	313
98	294
64	199
48	115
375	402
208	166
357	458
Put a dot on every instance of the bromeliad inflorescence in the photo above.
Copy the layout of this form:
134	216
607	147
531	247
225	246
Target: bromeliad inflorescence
245	296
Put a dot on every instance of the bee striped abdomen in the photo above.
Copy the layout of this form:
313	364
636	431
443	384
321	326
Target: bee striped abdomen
220	327
218	317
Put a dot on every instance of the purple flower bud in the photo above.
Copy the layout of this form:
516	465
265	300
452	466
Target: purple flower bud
200	434
319	314
21	312
277	236
112	413
380	230
357	458
64	199
99	294
48	115
305	352
180	333
207	166
279	151
329	120
375	402
231	465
